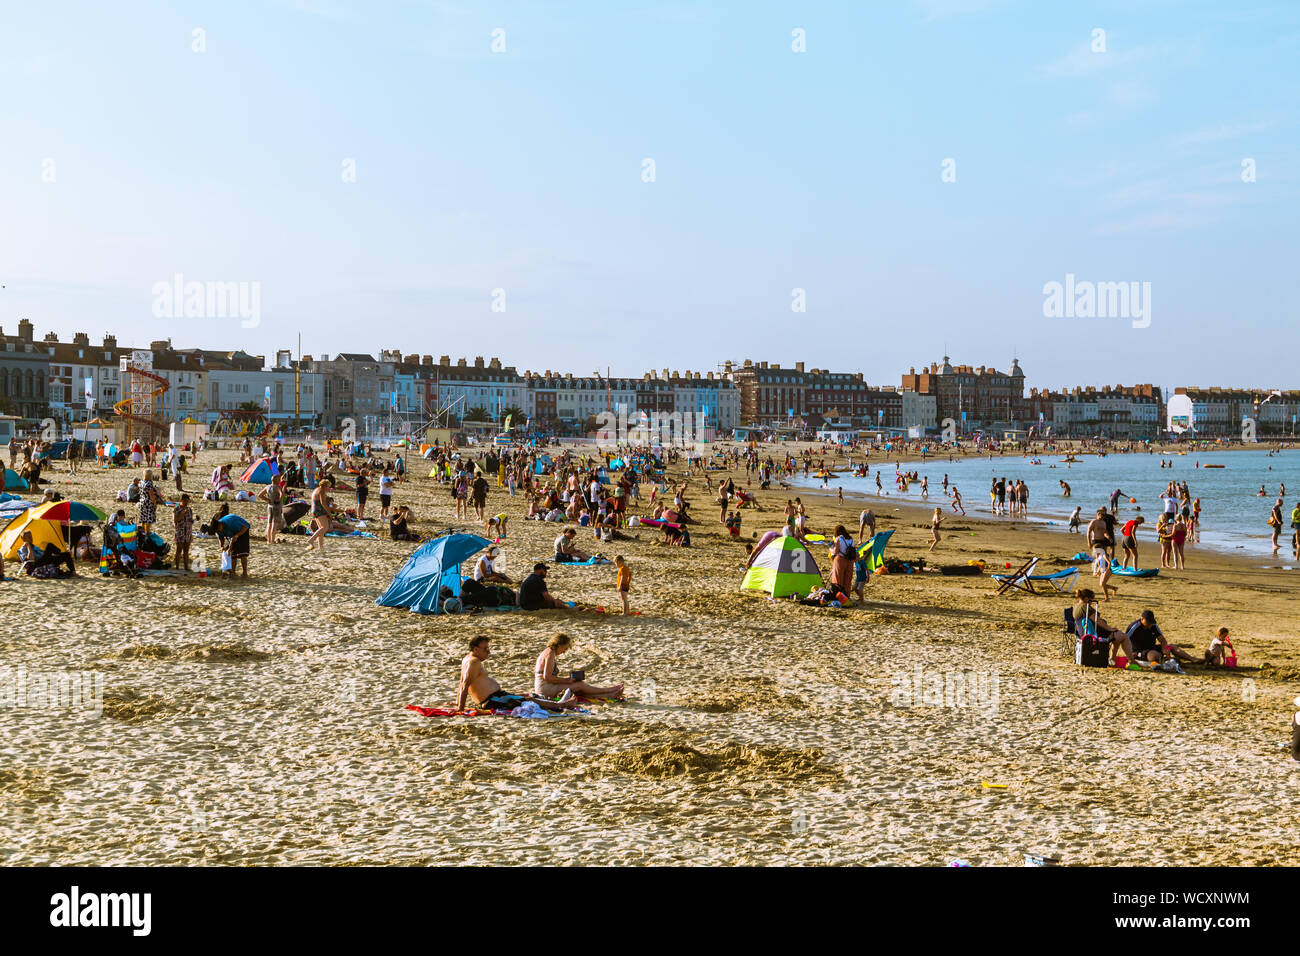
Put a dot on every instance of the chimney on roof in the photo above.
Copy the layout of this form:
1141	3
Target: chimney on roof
444	360
80	338
110	341
460	363
25	330
51	338
478	361
495	363
798	367
426	359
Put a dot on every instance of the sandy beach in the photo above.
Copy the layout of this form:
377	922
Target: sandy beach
263	722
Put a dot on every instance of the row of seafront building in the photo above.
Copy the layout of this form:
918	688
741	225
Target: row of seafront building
395	392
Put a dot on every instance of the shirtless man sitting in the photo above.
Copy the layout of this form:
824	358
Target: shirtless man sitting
477	684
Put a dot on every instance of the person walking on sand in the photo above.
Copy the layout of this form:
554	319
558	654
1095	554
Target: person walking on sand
320	515
935	521
622	582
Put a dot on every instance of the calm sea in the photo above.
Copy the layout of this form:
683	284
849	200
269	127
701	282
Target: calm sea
1233	515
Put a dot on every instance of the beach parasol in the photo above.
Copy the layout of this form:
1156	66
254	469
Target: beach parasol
65	513
69	511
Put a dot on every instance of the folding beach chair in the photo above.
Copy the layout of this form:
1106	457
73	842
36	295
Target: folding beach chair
1018	580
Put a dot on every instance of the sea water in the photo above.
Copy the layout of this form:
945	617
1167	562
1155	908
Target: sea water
1234	518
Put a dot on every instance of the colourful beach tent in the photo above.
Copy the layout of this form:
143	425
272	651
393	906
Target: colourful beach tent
431	566
260	472
44	534
14	481
782	568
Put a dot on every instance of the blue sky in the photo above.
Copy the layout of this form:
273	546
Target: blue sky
775	170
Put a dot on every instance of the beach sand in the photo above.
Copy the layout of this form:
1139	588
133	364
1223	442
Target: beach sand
263	722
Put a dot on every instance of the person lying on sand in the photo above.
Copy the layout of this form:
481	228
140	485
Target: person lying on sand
548	683
476	683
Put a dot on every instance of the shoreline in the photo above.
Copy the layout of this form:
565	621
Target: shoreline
1215	545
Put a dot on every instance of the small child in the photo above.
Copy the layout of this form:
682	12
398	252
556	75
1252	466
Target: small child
860	576
622	581
497	523
1218	655
1074	518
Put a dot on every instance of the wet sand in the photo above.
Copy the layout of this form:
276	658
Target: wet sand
262	722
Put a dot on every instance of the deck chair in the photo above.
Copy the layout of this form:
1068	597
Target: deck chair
1018	580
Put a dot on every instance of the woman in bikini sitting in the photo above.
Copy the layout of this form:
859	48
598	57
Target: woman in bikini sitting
548	683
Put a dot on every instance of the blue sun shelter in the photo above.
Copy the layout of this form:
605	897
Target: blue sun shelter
431	566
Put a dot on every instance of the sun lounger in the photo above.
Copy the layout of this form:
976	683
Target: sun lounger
1018	580
1061	581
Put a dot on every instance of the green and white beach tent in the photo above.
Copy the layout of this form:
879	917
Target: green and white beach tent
783	568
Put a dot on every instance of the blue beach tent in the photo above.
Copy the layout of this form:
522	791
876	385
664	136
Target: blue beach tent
432	565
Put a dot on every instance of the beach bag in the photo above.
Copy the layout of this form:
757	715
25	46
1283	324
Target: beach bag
1091	650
